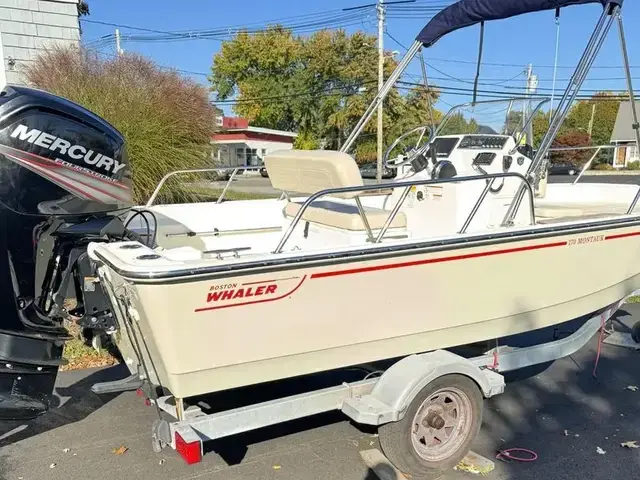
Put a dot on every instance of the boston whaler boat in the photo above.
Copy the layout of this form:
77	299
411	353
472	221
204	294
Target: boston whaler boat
467	244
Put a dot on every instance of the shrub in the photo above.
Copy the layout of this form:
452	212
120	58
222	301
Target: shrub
603	166
634	165
166	119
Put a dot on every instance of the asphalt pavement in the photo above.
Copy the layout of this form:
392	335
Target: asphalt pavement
560	411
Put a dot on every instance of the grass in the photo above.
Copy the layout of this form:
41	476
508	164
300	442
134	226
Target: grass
79	355
633	299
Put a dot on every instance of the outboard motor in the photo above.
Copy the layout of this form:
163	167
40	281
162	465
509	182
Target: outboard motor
64	178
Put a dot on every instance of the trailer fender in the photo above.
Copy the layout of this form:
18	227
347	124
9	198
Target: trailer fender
399	385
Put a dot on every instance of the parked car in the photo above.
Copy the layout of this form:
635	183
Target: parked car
221	175
369	170
563	168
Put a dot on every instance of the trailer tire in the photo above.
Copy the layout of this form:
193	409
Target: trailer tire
451	407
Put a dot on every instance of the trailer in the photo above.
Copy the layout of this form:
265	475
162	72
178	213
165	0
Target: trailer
428	406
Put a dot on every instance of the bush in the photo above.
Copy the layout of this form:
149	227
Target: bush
166	119
634	165
603	166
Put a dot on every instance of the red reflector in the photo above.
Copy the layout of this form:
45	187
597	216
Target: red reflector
190	452
140	392
147	402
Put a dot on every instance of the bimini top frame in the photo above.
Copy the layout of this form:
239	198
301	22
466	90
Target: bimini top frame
465	13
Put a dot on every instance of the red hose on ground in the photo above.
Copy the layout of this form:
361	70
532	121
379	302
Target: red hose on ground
506	454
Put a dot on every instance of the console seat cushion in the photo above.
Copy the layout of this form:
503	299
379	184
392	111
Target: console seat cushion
344	216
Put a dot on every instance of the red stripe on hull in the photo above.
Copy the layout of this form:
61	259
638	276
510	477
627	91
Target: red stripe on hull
436	260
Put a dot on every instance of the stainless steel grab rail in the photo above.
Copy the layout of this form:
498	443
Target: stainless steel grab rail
164	179
407	185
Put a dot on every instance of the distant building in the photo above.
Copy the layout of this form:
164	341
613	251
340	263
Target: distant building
26	26
239	144
624	138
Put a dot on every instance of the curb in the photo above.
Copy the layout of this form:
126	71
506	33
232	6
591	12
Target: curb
611	172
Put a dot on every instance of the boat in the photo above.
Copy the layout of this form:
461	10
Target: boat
466	244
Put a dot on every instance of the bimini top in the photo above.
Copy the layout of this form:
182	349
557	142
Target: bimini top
469	12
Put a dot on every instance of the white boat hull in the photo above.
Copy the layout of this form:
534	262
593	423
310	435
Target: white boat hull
217	332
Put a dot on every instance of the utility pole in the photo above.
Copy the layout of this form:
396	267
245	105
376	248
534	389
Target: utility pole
593	114
532	86
380	9
118	49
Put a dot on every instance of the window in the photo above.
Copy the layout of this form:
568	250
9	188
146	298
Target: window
252	156
240	156
633	153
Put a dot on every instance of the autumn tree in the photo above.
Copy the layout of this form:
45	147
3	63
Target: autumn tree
571	139
166	119
318	86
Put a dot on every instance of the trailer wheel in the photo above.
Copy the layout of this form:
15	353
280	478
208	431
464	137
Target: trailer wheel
437	430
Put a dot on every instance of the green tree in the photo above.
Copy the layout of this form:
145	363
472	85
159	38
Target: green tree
604	108
318	85
166	119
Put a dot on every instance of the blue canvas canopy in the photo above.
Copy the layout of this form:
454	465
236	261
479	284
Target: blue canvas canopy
470	12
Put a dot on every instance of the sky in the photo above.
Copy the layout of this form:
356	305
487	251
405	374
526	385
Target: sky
509	45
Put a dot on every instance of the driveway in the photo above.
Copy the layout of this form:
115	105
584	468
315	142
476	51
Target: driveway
560	411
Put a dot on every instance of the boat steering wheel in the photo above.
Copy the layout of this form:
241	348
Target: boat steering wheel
415	151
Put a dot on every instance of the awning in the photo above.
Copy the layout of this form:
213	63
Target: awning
470	12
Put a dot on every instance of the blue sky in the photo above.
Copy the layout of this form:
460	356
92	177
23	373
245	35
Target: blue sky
513	42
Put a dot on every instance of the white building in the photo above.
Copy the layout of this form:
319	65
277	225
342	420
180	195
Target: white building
26	26
239	144
624	137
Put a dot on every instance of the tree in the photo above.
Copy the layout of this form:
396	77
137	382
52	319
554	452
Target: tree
318	85
604	108
572	139
166	119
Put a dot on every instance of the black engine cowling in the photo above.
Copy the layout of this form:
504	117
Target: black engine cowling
64	178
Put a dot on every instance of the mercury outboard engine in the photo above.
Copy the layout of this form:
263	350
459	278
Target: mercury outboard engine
64	178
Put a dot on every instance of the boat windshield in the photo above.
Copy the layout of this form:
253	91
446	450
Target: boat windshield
500	117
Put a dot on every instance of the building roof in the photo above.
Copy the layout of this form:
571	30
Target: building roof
268	131
622	129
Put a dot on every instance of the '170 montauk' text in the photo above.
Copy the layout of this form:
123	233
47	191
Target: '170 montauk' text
231	291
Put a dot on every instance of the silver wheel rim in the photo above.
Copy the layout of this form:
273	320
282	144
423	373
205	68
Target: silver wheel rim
442	424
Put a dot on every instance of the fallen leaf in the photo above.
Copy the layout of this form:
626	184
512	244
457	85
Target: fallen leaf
66	450
566	432
277	467
576	435
120	450
161	462
630	444
53	465
633	388
600	451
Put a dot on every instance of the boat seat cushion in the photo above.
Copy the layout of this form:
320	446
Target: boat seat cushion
344	216
309	171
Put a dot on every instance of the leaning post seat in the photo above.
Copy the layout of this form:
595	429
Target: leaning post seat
309	171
